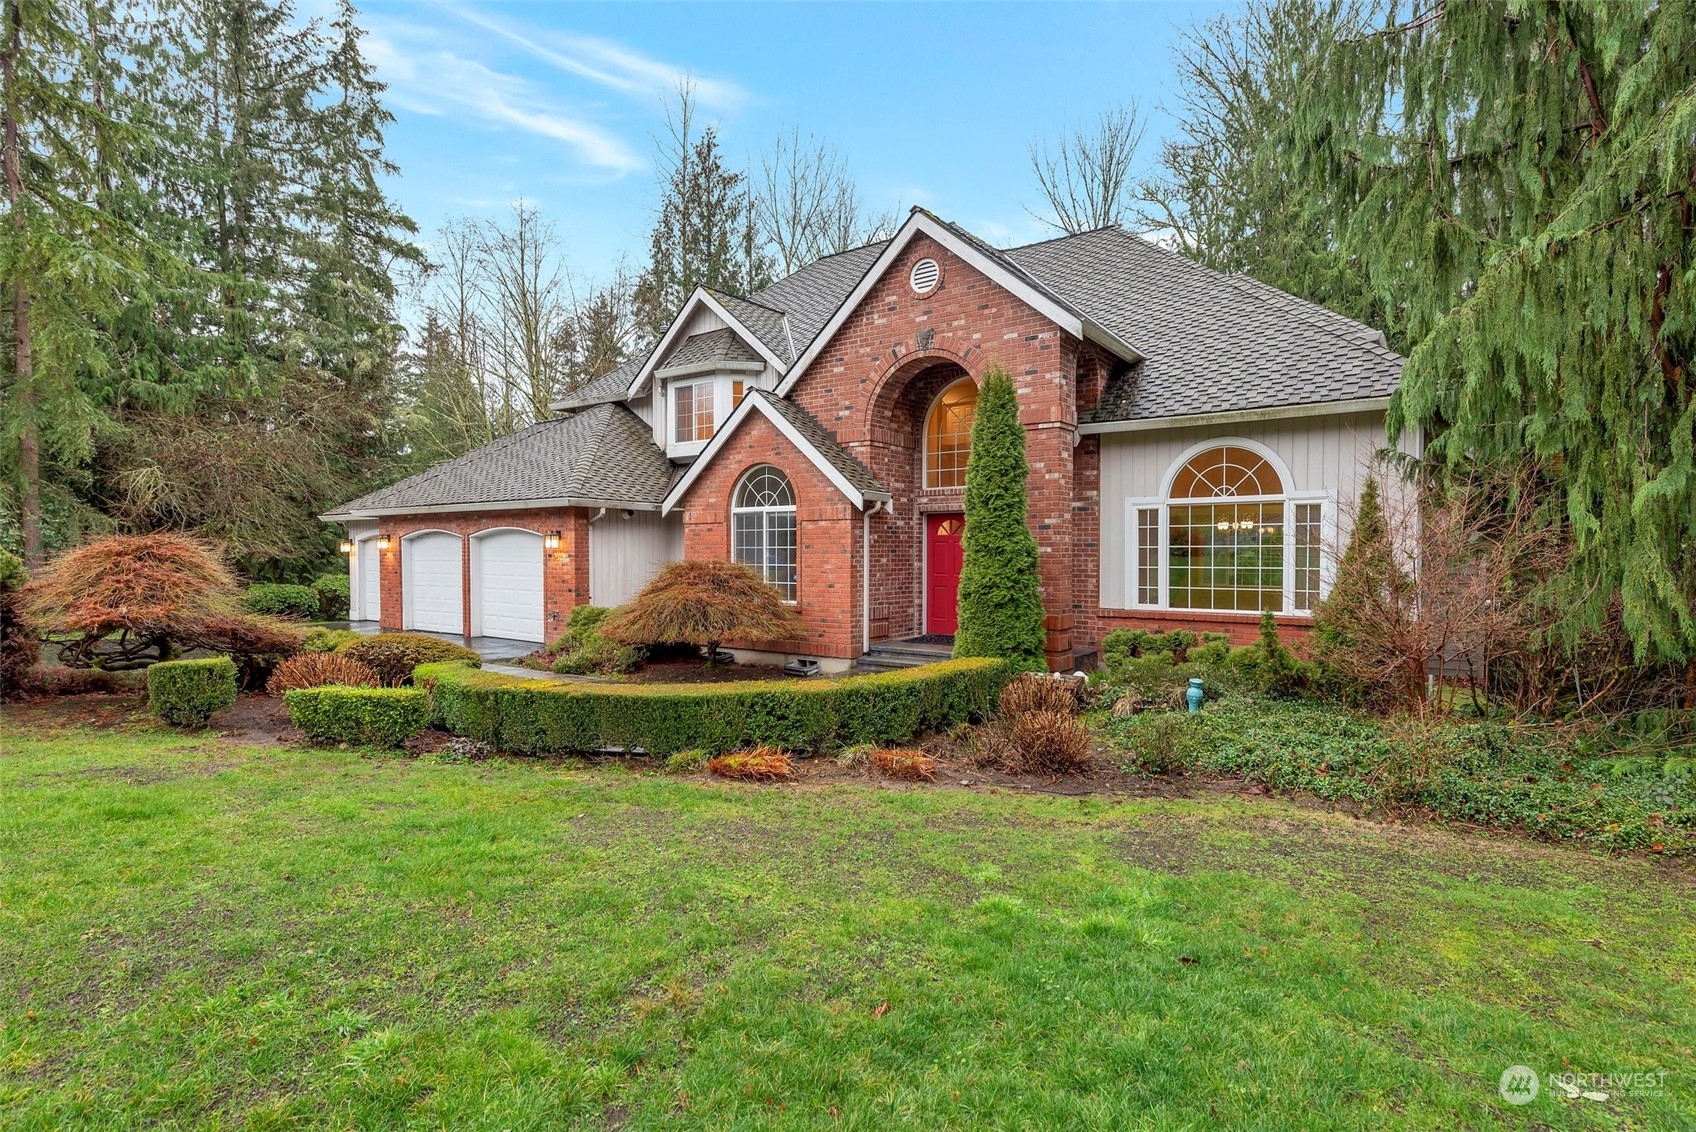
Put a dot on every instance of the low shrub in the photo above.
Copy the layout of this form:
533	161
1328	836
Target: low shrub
393	656
912	766
761	764
1048	742
885	709
329	640
686	762
1159	743
334	596
187	693
1267	667
376	717
582	650
298	602
316	669
1121	646
1032	691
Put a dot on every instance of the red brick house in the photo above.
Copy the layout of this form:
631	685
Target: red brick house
1195	441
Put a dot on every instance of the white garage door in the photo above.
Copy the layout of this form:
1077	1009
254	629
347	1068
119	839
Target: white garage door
507	574
434	584
370	580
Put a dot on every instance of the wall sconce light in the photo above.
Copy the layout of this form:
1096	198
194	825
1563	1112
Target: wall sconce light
345	546
384	541
551	540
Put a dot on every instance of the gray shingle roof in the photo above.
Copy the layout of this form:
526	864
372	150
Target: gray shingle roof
608	388
1212	343
723	345
765	323
811	295
820	438
604	454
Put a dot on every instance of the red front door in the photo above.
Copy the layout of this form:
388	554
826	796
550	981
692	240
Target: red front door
943	555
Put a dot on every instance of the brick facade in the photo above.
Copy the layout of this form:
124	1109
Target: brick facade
565	572
827	537
872	385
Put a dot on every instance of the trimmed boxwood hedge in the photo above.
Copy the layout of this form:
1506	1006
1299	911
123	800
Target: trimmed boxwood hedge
378	717
299	602
532	716
187	693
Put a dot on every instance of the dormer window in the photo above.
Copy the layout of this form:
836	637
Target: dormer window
692	412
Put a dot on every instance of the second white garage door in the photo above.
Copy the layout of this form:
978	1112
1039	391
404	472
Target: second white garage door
506	581
433	583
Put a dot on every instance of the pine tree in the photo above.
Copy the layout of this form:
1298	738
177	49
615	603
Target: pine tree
1001	611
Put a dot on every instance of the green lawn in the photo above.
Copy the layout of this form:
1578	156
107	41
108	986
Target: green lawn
198	934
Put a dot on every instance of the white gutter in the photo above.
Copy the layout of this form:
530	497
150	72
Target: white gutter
1281	412
504	505
866	575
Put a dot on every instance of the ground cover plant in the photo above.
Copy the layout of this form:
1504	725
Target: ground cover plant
204	934
1534	778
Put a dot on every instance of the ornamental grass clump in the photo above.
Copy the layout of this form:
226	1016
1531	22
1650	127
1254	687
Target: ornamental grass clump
316	669
1031	692
700	602
1048	742
910	766
759	764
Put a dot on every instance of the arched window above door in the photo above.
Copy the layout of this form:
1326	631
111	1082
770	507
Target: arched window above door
948	435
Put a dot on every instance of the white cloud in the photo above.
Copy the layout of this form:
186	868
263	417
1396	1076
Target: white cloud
606	62
426	77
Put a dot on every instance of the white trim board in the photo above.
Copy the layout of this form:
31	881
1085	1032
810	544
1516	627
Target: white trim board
702	297
756	401
1239	416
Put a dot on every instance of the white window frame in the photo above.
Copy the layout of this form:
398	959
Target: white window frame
791	509
672	390
1326	498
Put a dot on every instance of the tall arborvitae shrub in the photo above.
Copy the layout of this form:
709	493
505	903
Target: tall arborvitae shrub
1000	604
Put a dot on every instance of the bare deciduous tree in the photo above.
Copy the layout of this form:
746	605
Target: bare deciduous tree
1088	176
807	205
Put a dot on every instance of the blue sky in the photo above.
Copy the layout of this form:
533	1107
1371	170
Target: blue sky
934	104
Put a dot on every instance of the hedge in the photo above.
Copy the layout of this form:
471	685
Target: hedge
531	716
334	593
377	717
187	693
299	602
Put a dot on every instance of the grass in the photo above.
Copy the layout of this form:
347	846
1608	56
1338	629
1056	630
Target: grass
203	935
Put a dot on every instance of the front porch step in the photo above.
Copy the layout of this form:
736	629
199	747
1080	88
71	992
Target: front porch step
891	655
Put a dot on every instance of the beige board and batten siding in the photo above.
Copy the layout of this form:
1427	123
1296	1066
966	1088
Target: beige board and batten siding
1323	453
625	553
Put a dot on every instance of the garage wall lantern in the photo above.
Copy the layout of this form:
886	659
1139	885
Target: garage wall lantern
384	540
551	540
345	546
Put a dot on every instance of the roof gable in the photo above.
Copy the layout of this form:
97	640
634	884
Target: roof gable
721	305
852	478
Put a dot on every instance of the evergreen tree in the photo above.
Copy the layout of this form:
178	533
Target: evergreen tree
706	233
1001	611
67	257
1510	186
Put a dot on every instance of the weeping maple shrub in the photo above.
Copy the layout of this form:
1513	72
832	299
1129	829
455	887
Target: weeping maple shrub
133	599
704	603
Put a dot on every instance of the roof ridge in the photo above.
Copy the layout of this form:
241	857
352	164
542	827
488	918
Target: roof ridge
1064	236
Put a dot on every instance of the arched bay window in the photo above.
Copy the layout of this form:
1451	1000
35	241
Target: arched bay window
1228	536
948	435
762	526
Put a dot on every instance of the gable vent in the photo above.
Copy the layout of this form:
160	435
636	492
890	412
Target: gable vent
924	276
